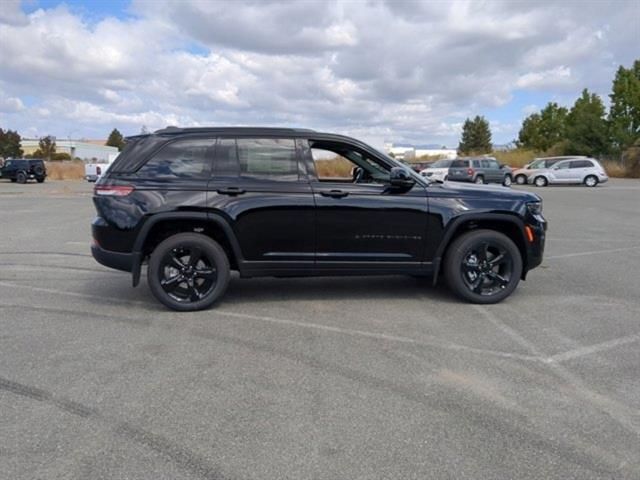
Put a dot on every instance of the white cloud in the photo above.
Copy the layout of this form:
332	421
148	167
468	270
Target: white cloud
405	71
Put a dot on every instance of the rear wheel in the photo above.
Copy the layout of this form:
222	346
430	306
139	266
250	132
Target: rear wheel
591	181
188	271
521	179
21	177
483	266
540	182
479	180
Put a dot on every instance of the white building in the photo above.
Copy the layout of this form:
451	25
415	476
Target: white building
408	152
82	149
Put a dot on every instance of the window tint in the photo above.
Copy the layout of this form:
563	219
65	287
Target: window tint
494	164
225	163
485	163
180	159
581	164
269	158
562	165
460	164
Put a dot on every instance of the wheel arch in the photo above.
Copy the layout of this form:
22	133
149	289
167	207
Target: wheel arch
161	226
508	224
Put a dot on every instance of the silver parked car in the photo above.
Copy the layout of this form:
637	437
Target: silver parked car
587	171
522	175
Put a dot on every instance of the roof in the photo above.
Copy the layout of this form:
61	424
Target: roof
233	130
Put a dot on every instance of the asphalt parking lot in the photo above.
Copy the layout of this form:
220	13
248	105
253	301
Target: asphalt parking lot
325	378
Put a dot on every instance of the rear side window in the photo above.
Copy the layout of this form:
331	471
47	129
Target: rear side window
180	159
268	158
581	164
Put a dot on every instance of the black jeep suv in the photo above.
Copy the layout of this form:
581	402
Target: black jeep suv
196	203
20	170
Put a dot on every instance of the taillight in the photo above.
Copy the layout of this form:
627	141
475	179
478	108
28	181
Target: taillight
469	171
113	190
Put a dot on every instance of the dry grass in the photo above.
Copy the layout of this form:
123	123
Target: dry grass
616	169
336	167
72	170
516	158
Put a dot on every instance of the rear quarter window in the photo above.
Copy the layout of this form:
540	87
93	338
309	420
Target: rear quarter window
268	158
460	164
180	159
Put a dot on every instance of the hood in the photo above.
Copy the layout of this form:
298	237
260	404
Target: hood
463	189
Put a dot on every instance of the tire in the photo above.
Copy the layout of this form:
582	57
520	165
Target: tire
521	179
479	180
184	295
38	170
21	177
507	181
40	180
591	181
540	182
471	277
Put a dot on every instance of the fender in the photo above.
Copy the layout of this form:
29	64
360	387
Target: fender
204	217
456	222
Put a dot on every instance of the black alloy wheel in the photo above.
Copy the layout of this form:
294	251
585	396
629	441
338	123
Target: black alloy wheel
188	271
483	266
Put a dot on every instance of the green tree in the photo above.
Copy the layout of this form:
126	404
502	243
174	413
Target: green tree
10	144
587	132
476	136
624	113
47	146
115	139
541	131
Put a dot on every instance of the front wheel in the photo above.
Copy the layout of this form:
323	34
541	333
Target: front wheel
540	182
483	266
591	181
21	177
507	181
188	271
521	179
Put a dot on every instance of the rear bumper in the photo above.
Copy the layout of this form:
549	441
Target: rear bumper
116	260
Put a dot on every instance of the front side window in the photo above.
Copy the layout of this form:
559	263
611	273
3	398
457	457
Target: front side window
343	163
180	159
267	158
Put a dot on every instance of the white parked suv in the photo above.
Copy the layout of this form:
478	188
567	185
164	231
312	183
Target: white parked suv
587	171
438	170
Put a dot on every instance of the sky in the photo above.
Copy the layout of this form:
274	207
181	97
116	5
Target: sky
407	72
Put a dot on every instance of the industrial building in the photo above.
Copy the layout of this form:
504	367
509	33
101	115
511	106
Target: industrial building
88	150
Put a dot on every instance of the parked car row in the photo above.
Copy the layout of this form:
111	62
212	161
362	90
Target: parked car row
475	170
562	170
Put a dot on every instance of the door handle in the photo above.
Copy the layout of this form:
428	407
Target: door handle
230	191
334	193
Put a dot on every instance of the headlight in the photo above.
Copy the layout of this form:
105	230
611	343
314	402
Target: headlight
535	208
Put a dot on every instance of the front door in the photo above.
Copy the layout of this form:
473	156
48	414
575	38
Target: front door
360	220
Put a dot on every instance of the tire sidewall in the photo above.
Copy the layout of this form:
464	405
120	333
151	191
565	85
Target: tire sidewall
479	180
507	181
21	177
542	184
595	181
210	248
521	179
455	254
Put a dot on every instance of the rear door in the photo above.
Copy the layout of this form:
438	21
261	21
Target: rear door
494	172
561	172
258	184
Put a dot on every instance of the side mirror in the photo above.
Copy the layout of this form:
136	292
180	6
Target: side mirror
399	177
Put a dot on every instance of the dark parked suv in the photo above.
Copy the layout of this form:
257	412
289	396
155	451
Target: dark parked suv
480	170
196	203
20	170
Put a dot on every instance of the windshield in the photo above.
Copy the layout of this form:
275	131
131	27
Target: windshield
441	164
536	164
